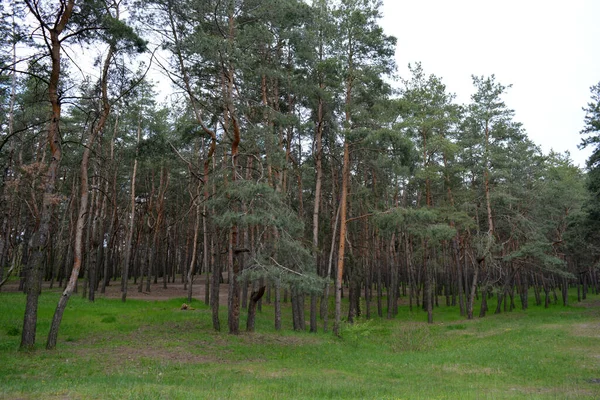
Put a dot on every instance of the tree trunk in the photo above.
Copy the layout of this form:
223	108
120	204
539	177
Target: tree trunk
255	296
277	304
484	298
342	238
128	241
214	297
191	269
471	300
35	263
83	208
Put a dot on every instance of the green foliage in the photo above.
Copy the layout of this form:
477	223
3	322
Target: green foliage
284	257
540	253
583	229
121	35
422	223
245	203
592	127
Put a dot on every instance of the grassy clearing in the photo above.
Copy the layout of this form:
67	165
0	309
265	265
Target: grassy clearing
153	350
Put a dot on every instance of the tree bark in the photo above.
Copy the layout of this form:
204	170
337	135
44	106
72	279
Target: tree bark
40	237
83	208
191	269
255	296
325	301
342	238
128	241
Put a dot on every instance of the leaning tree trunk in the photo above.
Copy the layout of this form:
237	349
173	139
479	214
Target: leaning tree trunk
39	240
83	207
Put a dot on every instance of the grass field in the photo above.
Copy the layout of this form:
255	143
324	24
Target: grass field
153	350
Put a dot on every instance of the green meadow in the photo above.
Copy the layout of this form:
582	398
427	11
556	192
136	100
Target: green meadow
154	350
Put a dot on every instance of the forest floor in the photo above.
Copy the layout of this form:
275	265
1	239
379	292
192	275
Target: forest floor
157	291
152	350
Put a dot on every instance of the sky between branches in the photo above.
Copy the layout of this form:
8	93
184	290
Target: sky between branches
547	49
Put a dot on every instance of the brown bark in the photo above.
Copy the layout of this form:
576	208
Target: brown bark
317	204
342	238
83	207
233	264
40	237
344	195
325	300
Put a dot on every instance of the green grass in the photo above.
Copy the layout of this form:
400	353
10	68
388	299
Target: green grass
153	350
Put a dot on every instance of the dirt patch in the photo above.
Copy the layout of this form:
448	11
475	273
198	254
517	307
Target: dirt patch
562	393
157	291
589	303
259	338
586	330
122	358
178	354
461	369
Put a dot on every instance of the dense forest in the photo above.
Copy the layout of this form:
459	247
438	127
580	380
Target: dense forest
287	160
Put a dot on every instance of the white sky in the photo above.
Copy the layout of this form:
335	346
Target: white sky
549	50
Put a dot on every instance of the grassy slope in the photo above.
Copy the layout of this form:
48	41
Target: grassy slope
152	350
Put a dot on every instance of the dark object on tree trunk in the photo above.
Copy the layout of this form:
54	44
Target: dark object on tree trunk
255	296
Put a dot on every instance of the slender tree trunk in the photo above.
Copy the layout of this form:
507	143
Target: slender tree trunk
128	241
83	207
317	201
342	238
205	256
325	308
428	289
484	298
35	264
6	214
471	300
191	269
565	291
214	297
277	304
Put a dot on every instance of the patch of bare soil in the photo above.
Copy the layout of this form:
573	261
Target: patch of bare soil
590	303
157	290
559	393
260	338
120	357
586	330
463	369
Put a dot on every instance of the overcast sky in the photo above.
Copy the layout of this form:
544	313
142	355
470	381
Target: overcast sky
549	50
